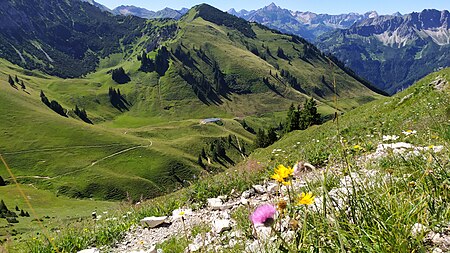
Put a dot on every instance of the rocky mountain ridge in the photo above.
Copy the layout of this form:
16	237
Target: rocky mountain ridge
398	31
393	51
144	13
307	24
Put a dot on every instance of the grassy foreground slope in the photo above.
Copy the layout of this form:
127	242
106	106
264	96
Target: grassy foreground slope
395	205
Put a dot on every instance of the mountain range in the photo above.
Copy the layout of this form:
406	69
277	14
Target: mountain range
400	44
307	24
144	13
393	51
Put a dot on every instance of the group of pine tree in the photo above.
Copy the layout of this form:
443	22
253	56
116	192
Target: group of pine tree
160	64
217	150
299	118
9	215
57	107
15	81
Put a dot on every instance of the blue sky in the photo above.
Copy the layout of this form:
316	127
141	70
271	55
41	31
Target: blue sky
318	6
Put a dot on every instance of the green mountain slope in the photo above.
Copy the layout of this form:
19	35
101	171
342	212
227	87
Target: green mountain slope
73	158
209	64
423	107
63	38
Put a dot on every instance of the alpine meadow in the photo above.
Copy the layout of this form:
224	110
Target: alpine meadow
197	130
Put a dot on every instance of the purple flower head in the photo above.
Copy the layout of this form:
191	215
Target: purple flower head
263	215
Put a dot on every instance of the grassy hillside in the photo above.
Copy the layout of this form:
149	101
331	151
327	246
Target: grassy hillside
409	187
421	107
135	155
54	211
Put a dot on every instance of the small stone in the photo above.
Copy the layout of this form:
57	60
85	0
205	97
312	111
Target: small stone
435	237
248	193
153	221
225	214
259	189
253	247
220	226
418	229
194	247
437	250
236	234
263	232
92	250
244	201
272	188
215	203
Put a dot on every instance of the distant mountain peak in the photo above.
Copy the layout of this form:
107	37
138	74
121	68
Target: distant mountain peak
372	14
272	6
100	6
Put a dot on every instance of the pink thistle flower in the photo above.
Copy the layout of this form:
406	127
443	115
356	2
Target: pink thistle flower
263	215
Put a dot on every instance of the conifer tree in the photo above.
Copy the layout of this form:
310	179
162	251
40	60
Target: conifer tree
10	80
271	136
292	120
200	161
203	154
309	115
3	208
261	139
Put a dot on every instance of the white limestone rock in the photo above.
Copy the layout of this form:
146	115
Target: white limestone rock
153	221
221	225
92	250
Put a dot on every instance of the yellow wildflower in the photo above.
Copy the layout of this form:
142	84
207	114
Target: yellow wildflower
282	173
305	199
278	178
286	183
357	148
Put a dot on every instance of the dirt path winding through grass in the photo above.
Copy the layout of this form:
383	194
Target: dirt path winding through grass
104	158
61	149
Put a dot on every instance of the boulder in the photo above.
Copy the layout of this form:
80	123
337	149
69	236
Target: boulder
220	226
92	250
215	203
259	189
153	221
